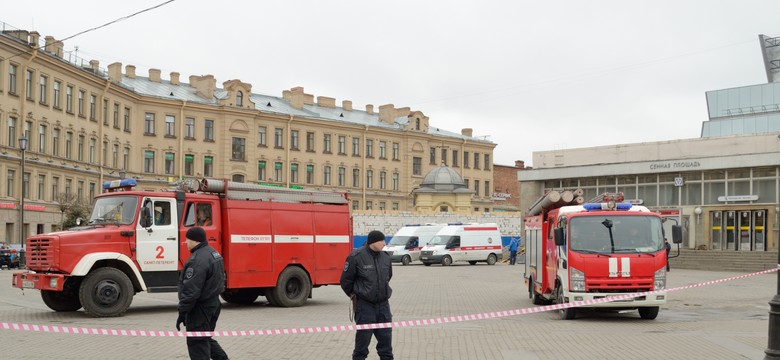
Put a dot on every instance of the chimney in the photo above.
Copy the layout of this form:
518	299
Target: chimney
35	37
94	65
130	71
467	132
326	101
49	48
346	105
520	164
298	98
204	85
370	109
115	72
154	75
174	78
387	113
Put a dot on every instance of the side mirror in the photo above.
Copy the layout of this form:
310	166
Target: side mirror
146	214
677	234
560	236
79	220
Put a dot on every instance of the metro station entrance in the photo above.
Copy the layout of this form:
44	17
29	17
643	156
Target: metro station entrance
738	230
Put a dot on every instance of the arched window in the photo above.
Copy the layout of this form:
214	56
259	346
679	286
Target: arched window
239	98
238	178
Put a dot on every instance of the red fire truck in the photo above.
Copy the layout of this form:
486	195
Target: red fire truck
276	242
581	252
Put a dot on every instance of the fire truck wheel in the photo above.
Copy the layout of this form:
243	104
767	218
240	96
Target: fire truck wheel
568	313
648	313
269	295
293	287
446	260
406	260
240	296
61	301
106	292
491	259
536	299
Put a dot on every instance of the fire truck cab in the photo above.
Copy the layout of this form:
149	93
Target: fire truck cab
276	242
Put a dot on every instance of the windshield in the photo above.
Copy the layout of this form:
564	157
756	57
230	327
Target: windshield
440	240
114	210
629	234
399	240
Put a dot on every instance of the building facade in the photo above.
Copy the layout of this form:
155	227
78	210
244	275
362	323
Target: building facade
86	125
506	192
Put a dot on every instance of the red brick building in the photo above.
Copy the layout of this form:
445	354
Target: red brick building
506	190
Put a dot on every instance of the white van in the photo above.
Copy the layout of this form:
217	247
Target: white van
405	245
470	242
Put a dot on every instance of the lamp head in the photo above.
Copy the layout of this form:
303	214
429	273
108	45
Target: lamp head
23	144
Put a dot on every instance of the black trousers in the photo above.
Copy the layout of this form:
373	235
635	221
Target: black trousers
203	317
368	313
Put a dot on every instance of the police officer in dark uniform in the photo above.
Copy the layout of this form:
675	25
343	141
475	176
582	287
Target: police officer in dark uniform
366	280
201	281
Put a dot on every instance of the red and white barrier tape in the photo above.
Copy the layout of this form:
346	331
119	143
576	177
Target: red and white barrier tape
395	324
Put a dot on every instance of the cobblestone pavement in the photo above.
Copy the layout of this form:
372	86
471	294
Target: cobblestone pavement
723	321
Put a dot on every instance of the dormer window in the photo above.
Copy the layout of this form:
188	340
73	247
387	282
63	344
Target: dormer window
417	124
239	98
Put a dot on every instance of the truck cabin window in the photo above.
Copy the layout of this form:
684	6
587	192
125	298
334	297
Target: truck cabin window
162	213
615	234
198	215
118	210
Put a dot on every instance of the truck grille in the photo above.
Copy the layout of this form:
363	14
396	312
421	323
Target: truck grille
426	253
40	253
619	285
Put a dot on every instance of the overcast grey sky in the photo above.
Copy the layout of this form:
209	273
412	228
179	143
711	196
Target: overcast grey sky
530	75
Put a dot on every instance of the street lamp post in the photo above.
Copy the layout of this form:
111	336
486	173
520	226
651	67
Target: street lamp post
23	147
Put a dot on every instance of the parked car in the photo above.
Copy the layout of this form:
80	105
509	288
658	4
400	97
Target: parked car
10	258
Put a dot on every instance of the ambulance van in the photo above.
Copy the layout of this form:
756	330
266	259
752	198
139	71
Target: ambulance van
405	245
470	243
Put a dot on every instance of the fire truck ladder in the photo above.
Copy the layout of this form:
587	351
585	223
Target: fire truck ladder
242	191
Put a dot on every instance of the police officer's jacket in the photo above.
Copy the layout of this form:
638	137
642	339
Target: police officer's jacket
367	275
202	278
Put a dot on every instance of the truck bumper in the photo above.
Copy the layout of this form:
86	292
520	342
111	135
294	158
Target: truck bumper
658	299
32	280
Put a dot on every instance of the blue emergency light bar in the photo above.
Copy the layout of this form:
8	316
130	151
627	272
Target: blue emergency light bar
119	184
606	206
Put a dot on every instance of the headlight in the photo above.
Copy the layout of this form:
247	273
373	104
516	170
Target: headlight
576	280
660	279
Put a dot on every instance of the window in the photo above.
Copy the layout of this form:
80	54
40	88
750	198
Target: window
395	181
69	99
55	142
355	177
55	188
125	158
355	204
383	150
278	140
476	161
28	82
370	179
149	124
189	128
326	143
26	134
57	86
466	159
68	187
476	187
91	154
80	149
9	183
262	136
238	178
170	126
369	205
116	116
487	162
239	98
395	206
92	107
208	166
342	145
433	156
417	166
80	190
293	173
115	156
466	181
294	139
26	185
189	164
278	171
310	141
261	170
105	153
149	161
310	174
69	145
91	191
382	180
239	148
12	78
488	190
355	146
417	124
105	112
369	148
382	206
342	176
444	156
12	132
454	158
42	138
396	151
208	132
162	213
127	119
43	82
170	163
326	175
